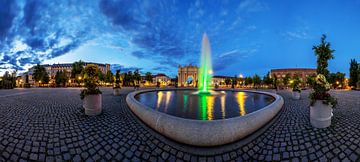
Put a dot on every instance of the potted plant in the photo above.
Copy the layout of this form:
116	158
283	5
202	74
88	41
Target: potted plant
296	91
117	83
321	101
91	96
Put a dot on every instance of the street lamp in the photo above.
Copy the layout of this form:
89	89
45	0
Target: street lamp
79	77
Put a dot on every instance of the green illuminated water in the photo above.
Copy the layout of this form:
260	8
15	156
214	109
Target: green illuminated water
205	70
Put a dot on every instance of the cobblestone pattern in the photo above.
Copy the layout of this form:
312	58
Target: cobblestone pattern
50	126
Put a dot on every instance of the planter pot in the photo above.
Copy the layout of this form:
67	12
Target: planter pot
296	95
92	104
320	114
117	91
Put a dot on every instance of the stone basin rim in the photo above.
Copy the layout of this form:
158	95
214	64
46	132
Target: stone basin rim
204	132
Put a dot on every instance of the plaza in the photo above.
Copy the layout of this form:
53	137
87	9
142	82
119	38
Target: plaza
47	124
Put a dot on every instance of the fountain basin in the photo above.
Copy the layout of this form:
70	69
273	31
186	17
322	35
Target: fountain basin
204	132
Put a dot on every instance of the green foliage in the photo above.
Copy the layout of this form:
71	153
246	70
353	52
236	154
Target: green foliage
61	78
248	81
354	73
337	79
40	74
323	53
8	81
109	78
233	81
101	76
275	81
227	81
91	81
296	84
77	68
137	77
117	79
267	79
256	80
321	87
286	79
148	77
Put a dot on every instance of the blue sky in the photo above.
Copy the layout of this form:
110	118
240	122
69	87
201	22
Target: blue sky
246	36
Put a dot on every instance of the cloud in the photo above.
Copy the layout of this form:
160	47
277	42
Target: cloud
296	35
231	57
7	15
122	68
34	31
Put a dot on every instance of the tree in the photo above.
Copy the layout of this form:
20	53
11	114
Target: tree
61	78
286	79
324	53
233	81
321	87
354	72
40	75
267	79
148	77
337	79
227	81
256	80
137	77
109	78
77	68
275	82
248	81
101	76
117	79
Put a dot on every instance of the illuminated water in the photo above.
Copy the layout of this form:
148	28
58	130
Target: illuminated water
184	104
205	70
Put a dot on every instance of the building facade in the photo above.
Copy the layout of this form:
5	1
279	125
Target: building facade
163	79
187	76
303	73
54	68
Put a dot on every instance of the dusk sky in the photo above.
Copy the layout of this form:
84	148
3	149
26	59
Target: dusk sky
247	36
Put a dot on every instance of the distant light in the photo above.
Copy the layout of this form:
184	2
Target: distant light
69	81
79	78
241	76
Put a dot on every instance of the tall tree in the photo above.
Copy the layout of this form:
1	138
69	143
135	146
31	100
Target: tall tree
148	77
40	75
61	78
267	79
227	81
233	81
286	79
248	81
256	80
354	72
109	78
324	53
137	77
77	68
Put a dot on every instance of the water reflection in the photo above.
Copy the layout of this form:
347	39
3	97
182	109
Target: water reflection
241	97
167	100
222	101
210	107
185	104
159	98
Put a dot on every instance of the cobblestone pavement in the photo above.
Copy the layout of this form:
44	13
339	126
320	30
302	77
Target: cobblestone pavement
49	125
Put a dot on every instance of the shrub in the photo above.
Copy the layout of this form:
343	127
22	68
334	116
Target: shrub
117	79
91	81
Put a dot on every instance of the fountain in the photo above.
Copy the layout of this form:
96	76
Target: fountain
203	117
205	71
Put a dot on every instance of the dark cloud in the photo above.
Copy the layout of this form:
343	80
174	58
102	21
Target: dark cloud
114	67
7	14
